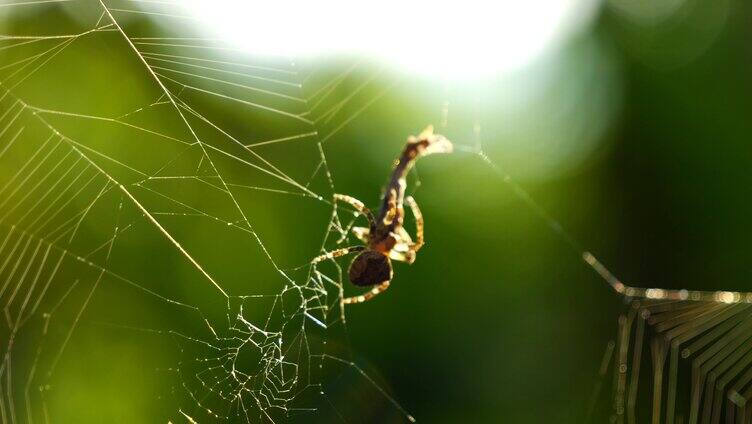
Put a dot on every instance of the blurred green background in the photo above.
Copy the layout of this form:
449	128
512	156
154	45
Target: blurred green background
632	133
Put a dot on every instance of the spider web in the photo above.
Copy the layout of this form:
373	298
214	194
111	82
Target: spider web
186	150
158	169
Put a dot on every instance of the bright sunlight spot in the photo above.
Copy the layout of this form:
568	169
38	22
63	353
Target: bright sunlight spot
448	39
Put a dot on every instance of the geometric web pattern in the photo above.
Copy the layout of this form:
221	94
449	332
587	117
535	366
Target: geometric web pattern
697	345
110	183
697	362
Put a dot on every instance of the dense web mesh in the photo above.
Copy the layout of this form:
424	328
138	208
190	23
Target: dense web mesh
195	142
186	149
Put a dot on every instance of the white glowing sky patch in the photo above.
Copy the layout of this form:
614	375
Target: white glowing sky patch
451	38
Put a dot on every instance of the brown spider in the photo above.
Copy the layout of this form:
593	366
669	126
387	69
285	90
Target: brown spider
385	238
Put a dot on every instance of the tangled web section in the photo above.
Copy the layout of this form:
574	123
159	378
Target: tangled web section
110	189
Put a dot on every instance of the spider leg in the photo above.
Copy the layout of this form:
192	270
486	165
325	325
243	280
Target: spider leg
393	210
403	247
408	256
367	295
357	204
419	241
337	253
362	233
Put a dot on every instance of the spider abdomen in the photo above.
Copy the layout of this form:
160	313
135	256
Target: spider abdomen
370	268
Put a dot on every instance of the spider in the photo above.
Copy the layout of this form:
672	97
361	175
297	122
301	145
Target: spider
386	239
